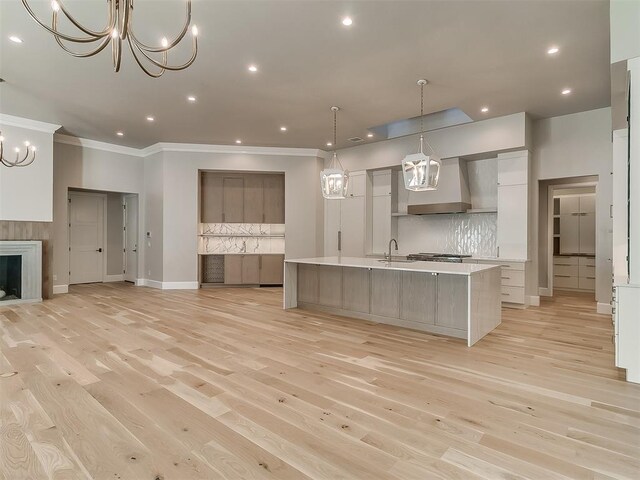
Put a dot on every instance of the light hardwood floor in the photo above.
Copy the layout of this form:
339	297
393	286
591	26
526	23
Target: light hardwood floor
120	382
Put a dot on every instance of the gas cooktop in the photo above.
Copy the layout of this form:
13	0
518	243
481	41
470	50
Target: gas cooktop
437	257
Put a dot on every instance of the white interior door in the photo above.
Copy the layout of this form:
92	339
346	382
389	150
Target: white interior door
86	237
131	237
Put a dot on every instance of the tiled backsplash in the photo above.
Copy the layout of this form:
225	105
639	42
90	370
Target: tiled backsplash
221	238
470	234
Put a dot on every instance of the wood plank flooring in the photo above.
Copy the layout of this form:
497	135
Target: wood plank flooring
120	382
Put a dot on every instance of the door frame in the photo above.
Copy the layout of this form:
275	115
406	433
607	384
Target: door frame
136	235
103	196
550	194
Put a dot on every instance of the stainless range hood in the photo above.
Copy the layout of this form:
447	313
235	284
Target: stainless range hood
452	195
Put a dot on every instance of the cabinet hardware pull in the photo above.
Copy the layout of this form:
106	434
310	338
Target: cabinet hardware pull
505	278
563	276
591	278
506	294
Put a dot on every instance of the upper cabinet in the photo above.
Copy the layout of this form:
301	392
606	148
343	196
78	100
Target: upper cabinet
242	198
513	170
357	184
513	205
577	224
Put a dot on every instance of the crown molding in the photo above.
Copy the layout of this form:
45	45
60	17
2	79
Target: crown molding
188	148
233	149
94	144
13	121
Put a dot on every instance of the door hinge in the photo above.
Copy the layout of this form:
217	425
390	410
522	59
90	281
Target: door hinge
69	200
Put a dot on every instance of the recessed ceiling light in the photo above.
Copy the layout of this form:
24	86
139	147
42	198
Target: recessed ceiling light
347	22
191	98
329	144
120	134
283	129
15	39
370	135
484	109
150	119
566	91
238	141
553	50
253	68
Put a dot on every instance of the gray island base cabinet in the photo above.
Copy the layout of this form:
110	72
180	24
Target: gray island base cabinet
457	300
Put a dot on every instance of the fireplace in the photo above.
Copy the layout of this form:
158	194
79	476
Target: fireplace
10	277
20	272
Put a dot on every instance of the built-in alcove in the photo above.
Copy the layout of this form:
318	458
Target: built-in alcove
10	277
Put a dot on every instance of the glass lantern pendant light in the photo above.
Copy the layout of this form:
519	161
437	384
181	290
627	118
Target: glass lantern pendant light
335	179
421	171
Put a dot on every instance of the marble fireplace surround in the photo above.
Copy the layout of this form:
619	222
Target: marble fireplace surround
31	253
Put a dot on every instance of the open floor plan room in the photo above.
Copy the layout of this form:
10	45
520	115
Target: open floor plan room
113	382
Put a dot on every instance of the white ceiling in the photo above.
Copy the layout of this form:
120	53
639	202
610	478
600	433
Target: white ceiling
473	53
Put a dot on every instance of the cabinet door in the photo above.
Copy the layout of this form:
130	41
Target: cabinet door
418	297
211	198
251	269
253	199
233	269
233	201
273	198
353	217
587	204
513	171
451	311
569	205
569	233
385	293
380	224
271	269
331	227
512	221
357	184
587	235
381	183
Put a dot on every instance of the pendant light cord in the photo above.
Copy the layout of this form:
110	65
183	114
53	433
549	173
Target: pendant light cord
422	83
335	158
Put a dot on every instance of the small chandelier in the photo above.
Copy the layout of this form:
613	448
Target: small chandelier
119	28
420	171
335	179
27	159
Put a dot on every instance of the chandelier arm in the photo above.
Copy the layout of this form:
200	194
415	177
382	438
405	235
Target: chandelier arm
70	17
98	49
69	38
22	162
144	69
126	6
116	53
171	44
171	67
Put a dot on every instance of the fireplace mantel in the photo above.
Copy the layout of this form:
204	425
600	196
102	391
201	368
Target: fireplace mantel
31	253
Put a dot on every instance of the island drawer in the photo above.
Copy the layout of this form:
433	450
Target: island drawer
512	294
512	278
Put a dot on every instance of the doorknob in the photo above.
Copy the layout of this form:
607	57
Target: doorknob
99	250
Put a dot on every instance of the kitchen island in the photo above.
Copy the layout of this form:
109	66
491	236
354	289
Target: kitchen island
455	299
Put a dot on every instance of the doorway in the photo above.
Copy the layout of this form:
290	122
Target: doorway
130	206
87	237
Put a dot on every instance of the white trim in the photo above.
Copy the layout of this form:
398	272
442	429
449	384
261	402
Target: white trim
140	282
180	285
622	133
604	308
113	278
57	289
533	300
206	148
187	147
22	122
151	283
94	144
514	154
544	292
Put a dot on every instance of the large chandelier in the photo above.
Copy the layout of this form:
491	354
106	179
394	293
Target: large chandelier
119	29
21	160
335	179
420	171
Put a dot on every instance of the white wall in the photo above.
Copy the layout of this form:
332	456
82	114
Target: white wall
624	18
115	234
91	169
26	193
180	220
577	145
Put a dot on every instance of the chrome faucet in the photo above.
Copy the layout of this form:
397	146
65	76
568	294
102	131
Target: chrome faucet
393	240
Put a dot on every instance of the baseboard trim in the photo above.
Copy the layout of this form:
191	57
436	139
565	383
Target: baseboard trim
604	308
544	292
534	300
57	289
152	283
139	282
113	278
180	285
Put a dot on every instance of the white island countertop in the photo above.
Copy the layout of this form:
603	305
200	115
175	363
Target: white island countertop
427	267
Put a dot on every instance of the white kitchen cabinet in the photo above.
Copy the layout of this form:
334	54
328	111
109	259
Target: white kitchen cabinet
574	273
513	169
381	183
331	226
569	205
381	224
513	221
578	224
587	204
569	233
357	185
353	226
587	233
626	305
